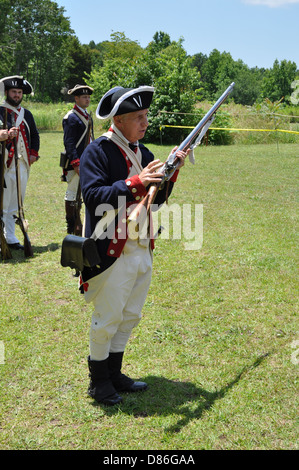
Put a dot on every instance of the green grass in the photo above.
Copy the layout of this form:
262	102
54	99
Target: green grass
216	342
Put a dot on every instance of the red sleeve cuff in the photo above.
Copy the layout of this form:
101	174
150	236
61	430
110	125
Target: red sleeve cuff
174	176
34	153
76	162
136	187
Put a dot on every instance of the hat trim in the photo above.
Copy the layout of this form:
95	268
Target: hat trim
121	99
21	77
79	87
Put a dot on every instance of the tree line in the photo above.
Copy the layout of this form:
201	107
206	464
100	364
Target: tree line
37	41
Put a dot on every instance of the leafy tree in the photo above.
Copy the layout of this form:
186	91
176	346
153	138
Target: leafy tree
220	69
96	54
160	41
177	84
36	41
79	62
5	41
118	47
34	33
178	88
198	60
277	82
247	84
209	73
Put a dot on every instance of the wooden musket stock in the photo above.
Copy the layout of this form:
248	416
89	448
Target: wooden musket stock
5	251
20	219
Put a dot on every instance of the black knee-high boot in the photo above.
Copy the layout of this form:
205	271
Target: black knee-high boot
101	387
120	381
70	216
73	220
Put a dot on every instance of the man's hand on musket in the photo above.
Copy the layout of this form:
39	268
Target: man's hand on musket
6	134
181	155
150	173
13	132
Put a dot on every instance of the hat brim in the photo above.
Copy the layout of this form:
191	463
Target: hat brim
126	102
79	90
18	82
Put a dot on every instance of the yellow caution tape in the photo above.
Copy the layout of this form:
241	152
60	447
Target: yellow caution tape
235	130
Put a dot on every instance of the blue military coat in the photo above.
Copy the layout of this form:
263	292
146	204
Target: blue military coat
74	128
104	179
29	132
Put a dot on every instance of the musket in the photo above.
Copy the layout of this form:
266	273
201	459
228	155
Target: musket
78	205
173	161
78	201
5	251
20	219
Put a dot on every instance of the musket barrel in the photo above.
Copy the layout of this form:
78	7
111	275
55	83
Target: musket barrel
171	163
186	143
5	251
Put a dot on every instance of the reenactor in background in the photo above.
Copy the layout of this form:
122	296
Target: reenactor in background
28	144
78	132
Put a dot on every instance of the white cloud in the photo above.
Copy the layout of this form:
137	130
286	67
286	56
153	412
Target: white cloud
271	3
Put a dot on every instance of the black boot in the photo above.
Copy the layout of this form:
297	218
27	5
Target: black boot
73	219
101	387
120	381
70	216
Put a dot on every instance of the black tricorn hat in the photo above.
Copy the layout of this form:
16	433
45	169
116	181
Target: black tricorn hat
79	90
121	100
17	81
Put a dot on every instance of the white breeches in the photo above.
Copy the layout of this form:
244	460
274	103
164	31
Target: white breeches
10	199
118	295
72	179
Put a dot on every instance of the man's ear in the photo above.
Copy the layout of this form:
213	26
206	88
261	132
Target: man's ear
117	119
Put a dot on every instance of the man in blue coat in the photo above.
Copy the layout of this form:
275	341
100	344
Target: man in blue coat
77	135
28	143
115	172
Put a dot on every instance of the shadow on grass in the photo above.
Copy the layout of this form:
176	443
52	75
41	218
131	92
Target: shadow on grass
19	257
167	397
44	249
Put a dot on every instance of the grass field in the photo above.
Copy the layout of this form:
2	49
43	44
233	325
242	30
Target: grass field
218	342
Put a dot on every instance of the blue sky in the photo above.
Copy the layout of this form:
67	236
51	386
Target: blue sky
255	31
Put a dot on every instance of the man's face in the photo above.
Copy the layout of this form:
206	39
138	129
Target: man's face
132	125
83	101
14	96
